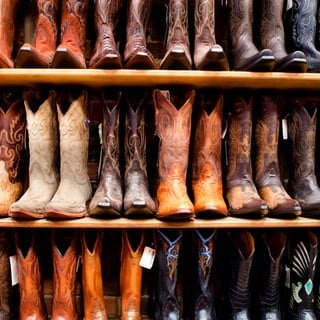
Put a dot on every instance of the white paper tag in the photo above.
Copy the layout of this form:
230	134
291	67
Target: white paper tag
287	277
289	4
79	260
14	270
284	129
147	258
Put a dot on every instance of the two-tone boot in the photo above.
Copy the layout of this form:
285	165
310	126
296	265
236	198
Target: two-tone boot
173	126
206	164
71	51
74	189
92	286
168	249
41	52
12	137
42	134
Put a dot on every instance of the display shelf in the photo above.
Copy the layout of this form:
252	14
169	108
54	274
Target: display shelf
97	78
124	223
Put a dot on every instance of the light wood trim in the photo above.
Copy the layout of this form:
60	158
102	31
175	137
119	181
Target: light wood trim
123	223
160	78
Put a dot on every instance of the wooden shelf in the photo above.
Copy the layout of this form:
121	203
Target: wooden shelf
223	80
123	223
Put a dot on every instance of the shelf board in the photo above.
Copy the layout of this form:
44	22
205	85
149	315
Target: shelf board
124	223
160	78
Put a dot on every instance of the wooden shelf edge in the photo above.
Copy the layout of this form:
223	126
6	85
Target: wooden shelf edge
124	223
160	78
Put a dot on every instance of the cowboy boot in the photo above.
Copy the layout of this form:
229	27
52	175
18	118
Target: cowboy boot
245	55
131	273
64	256
136	55
71	50
107	200
272	37
74	189
8	9
32	304
105	54
92	286
173	126
178	54
302	184
137	200
168	249
300	30
42	139
5	278
268	270
208	55
302	263
203	305
267	173
206	164
241	193
12	133
242	249
40	53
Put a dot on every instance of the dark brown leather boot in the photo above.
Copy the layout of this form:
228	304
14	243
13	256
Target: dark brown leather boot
208	55
178	54
245	55
12	137
168	249
5	278
71	51
92	286
8	9
173	126
108	198
272	37
206	163
137	201
64	255
302	184
105	54
267	172
241	193
136	55
32	304
40	53
131	273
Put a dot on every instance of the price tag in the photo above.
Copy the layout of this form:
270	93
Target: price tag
147	258
14	270
285	129
289	4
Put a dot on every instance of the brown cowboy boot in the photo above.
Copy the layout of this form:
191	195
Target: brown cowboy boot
241	193
267	172
137	201
71	51
8	9
206	163
92	286
108	198
131	273
43	151
272	37
136	55
12	133
173	126
245	55
105	54
208	55
32	304
40	53
74	190
178	47
64	256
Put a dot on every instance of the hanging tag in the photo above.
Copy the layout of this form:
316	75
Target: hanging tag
289	4
284	129
100	133
287	277
147	258
79	260
224	132
14	270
